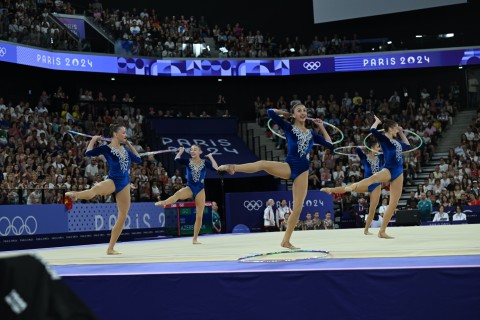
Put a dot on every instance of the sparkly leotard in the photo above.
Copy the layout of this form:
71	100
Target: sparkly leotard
392	153
299	144
196	173
370	166
118	163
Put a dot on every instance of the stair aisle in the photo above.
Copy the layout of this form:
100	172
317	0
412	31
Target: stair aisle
450	139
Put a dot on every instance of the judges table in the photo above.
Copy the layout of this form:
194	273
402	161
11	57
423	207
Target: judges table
180	218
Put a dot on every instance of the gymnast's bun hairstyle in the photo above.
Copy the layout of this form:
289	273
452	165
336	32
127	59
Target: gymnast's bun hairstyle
114	127
371	143
387	124
294	104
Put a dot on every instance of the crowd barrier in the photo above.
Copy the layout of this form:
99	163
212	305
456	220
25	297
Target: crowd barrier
32	226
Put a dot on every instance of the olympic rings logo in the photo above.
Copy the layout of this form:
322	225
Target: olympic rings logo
3	51
311	65
17	226
253	204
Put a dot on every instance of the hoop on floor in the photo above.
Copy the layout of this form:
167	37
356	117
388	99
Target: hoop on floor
325	123
336	150
405	130
286	256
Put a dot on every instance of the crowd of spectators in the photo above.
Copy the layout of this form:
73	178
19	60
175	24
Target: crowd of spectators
27	22
145	32
455	180
40	160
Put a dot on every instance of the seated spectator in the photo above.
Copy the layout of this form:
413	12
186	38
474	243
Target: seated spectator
283	225
474	201
308	223
459	215
35	197
328	223
317	222
441	215
412	201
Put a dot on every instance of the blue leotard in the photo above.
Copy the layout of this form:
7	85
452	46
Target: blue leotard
392	153
118	164
370	166
299	144
196	173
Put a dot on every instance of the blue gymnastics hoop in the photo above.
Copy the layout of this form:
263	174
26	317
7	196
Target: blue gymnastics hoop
325	123
405	130
321	254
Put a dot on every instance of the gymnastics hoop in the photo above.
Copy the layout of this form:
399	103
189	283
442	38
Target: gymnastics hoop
345	147
86	135
270	256
405	130
108	139
325	123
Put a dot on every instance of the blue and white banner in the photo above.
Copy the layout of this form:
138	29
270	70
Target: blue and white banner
102	217
247	207
118	64
24	220
76	25
216	136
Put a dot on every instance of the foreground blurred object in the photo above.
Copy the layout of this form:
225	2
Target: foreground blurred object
29	289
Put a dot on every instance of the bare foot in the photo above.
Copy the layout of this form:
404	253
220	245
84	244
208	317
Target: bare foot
327	190
113	252
230	168
367	233
384	235
72	195
196	242
288	245
160	204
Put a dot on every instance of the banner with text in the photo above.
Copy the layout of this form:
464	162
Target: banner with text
76	25
216	136
118	64
24	220
102	216
247	207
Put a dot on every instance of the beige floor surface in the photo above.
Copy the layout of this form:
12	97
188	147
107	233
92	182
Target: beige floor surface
416	241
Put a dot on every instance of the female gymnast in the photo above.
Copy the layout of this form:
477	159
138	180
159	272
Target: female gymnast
195	188
372	163
119	154
392	170
300	141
